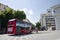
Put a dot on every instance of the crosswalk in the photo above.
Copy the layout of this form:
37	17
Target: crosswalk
39	36
25	37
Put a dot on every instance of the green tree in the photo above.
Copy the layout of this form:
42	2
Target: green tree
19	15
10	14
33	26
2	21
4	17
38	25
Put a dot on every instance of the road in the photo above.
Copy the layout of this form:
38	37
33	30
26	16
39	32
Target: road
44	35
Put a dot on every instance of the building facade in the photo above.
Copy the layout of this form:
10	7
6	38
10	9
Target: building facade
56	11
2	7
48	20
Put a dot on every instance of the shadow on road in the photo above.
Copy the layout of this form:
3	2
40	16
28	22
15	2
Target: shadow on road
17	35
2	33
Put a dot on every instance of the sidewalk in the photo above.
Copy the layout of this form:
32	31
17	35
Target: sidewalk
42	32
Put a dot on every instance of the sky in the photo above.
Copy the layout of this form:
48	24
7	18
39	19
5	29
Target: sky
32	8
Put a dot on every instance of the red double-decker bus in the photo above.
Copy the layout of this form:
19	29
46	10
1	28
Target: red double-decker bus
18	27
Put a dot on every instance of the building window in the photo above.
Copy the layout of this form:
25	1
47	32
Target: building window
53	11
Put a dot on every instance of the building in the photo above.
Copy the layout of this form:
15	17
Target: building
2	7
48	20
56	11
43	21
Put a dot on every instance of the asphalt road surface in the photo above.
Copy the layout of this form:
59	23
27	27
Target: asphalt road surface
45	35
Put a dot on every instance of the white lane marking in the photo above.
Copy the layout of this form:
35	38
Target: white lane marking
11	38
4	37
29	36
26	37
20	38
15	38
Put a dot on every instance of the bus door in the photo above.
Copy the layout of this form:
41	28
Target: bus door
18	29
11	29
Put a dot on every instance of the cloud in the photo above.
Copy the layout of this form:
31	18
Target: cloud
24	9
29	13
